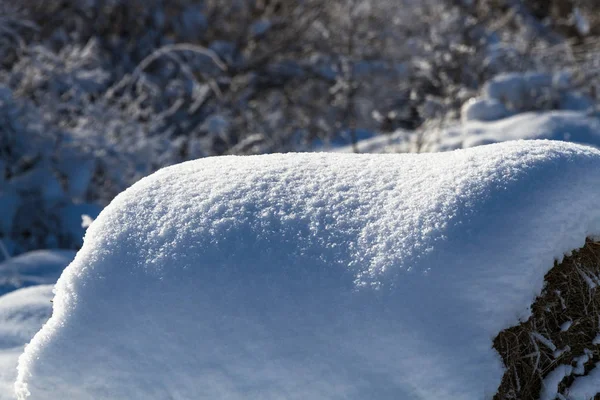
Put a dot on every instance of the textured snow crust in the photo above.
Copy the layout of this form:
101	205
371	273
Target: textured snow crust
314	276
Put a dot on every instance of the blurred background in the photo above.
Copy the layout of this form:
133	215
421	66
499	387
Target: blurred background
96	94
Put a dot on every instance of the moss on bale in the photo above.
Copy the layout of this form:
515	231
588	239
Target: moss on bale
564	322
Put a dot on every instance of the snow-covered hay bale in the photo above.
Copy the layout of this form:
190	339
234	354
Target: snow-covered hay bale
555	352
314	276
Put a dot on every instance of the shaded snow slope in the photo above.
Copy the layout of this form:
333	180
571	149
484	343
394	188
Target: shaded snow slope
22	314
25	309
33	268
314	276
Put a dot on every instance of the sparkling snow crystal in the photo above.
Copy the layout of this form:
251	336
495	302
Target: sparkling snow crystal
314	276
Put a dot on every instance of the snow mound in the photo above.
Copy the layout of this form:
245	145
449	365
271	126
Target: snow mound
22	314
34	268
483	110
568	126
521	92
314	276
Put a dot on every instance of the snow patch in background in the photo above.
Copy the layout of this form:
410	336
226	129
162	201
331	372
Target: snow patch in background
483	110
314	276
567	126
40	267
525	92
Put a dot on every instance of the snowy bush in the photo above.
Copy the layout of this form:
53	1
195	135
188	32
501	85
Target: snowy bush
64	154
37	184
293	71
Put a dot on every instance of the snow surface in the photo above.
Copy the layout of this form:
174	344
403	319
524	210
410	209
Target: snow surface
22	314
552	380
314	276
569	126
565	326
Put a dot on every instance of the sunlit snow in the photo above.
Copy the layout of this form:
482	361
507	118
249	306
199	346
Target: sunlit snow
314	276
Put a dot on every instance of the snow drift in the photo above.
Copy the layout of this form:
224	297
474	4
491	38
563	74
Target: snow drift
568	126
314	276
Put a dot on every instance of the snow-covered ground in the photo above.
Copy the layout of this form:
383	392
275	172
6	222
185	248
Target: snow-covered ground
22	314
26	283
569	126
314	276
